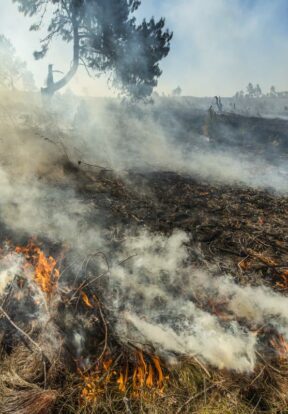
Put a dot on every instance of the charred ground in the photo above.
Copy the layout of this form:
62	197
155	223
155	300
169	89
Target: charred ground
232	229
239	228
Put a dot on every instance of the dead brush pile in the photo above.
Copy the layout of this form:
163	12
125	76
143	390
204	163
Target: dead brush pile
47	368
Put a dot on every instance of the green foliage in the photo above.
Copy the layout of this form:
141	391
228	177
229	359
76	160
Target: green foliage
106	38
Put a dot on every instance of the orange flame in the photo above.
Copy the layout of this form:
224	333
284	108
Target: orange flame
142	376
149	380
45	271
122	380
140	371
159	370
94	383
86	300
147	374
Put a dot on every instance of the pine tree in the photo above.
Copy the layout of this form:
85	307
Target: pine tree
106	39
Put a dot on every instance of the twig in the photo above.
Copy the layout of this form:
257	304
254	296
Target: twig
256	406
90	282
105	328
268	365
257	376
106	372
202	366
57	145
109	370
125	400
100	167
241	261
9	293
20	330
194	397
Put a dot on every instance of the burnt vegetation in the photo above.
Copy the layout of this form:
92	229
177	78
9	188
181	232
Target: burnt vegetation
73	358
143	248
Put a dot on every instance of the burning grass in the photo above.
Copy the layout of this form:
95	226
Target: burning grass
43	379
59	350
45	271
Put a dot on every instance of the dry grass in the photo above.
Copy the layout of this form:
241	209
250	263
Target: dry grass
30	401
188	391
25	380
30	386
27	386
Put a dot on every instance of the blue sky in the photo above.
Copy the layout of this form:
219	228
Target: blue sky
218	46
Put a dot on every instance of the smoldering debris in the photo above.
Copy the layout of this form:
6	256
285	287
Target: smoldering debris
144	268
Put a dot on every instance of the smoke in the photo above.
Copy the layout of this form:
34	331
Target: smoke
10	265
163	303
156	297
167	136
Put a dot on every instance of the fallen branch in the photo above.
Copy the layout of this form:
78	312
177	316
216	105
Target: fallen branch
20	330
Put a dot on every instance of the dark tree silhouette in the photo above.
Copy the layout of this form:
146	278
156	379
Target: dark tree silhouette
106	38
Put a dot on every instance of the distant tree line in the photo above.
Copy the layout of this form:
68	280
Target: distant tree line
13	70
256	92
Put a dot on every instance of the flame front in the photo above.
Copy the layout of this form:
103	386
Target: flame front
45	271
134	379
94	383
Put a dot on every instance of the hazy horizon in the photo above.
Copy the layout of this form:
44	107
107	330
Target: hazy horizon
218	46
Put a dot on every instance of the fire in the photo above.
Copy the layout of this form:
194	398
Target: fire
133	378
160	379
149	375
140	372
281	346
45	271
94	384
122	380
86	300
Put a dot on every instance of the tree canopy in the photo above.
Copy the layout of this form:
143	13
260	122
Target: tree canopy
106	39
13	70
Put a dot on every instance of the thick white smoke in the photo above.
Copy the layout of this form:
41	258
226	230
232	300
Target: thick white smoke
155	295
154	137
10	265
165	303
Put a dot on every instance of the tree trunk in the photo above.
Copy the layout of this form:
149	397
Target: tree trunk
51	89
